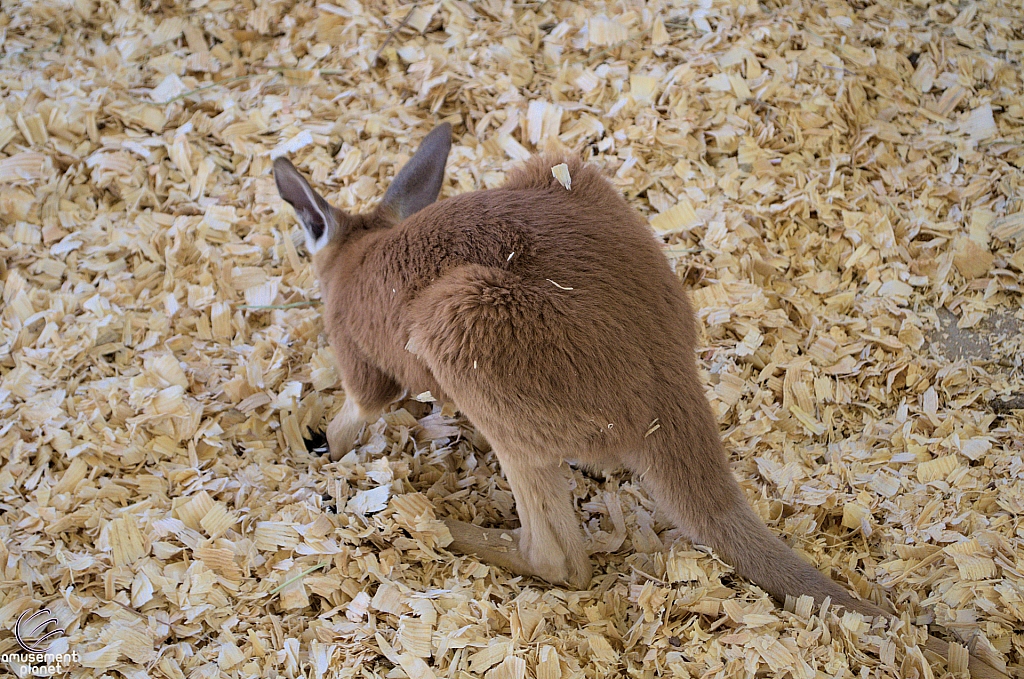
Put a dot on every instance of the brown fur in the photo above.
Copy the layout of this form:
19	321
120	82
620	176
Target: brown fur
552	320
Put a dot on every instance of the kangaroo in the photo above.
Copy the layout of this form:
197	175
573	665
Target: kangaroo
552	320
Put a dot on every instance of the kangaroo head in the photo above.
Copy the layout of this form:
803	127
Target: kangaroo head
414	187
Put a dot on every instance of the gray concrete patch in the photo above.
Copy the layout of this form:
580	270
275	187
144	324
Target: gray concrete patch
998	339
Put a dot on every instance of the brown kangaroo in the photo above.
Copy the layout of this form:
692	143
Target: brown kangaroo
552	320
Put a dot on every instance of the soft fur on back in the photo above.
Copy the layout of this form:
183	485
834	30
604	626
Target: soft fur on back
552	320
497	264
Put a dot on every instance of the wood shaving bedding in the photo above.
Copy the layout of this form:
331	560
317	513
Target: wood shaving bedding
832	180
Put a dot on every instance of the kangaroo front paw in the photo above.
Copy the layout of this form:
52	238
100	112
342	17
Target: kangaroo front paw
344	429
342	438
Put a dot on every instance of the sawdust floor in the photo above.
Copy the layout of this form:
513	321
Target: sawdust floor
839	183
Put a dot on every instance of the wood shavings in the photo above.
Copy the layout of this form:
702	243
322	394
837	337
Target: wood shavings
938	468
543	121
25	166
680	217
483	660
1009	227
970	259
831	181
509	668
605	31
561	173
126	541
971	560
548	666
370	501
979	123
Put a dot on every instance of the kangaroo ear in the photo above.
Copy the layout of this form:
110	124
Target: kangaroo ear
313	211
417	184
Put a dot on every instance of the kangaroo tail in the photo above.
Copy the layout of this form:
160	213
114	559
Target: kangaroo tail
715	513
687	472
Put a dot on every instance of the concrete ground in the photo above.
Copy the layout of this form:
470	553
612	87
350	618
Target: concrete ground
997	339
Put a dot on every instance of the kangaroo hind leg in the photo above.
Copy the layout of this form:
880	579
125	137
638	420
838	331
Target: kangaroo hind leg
549	543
